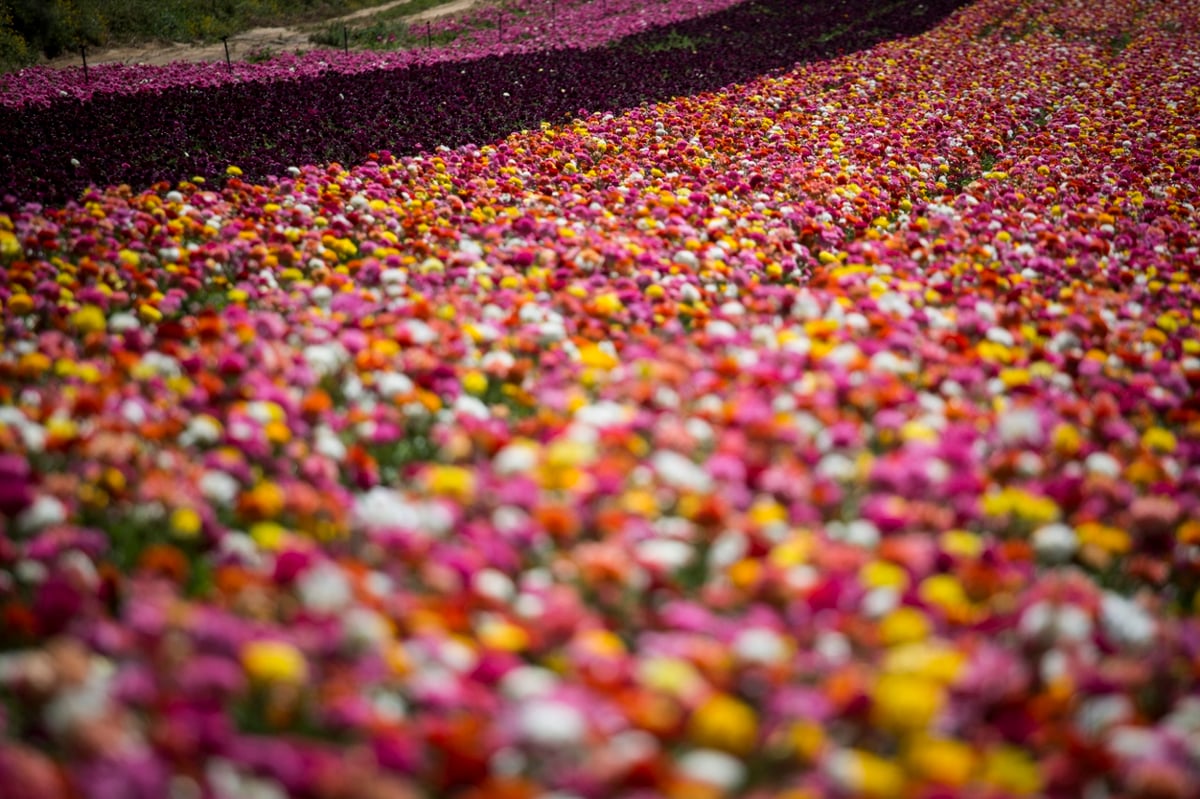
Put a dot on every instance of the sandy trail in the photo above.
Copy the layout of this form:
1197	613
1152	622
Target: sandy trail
241	45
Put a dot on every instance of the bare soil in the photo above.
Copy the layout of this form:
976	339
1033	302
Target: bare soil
242	45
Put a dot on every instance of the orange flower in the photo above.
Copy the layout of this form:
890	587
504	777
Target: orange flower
165	560
559	521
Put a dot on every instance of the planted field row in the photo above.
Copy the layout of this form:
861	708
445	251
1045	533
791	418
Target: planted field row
52	152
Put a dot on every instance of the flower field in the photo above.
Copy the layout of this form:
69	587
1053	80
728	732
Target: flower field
140	125
828	431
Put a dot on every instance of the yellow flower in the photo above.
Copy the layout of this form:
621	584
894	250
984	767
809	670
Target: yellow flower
475	382
278	433
807	738
20	304
1158	439
942	760
1065	439
903	702
1013	771
9	246
451	481
1109	539
904	625
1022	505
594	356
929	660
866	775
723	722
503	635
266	499
961	543
945	592
186	523
89	319
1014	377
608	304
668	675
233	171
767	511
274	662
603	643
269	535
791	552
883	574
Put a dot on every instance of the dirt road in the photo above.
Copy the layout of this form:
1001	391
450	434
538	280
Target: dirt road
242	45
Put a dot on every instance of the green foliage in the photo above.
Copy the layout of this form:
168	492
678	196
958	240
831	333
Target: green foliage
29	28
14	52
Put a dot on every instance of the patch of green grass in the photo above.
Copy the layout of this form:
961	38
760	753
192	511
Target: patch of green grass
389	30
671	40
1119	42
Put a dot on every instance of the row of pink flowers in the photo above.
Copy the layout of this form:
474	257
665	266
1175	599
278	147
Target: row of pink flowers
530	26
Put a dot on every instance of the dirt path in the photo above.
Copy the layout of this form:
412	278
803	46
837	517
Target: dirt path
241	45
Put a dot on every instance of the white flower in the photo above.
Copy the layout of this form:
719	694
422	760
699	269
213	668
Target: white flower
493	584
389	706
832	646
680	472
324	588
836	466
1103	464
201	430
78	562
760	645
890	362
1125	622
1055	543
728	548
720	329
1000	335
527	682
549	722
878	602
1065	623
389	384
1096	714
716	768
364	627
133	412
1019	426
664	553
686	258
603	414
82	702
327	443
123	322
466	405
382	508
1132	743
44	512
844	354
552	330
497	360
325	359
860	532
